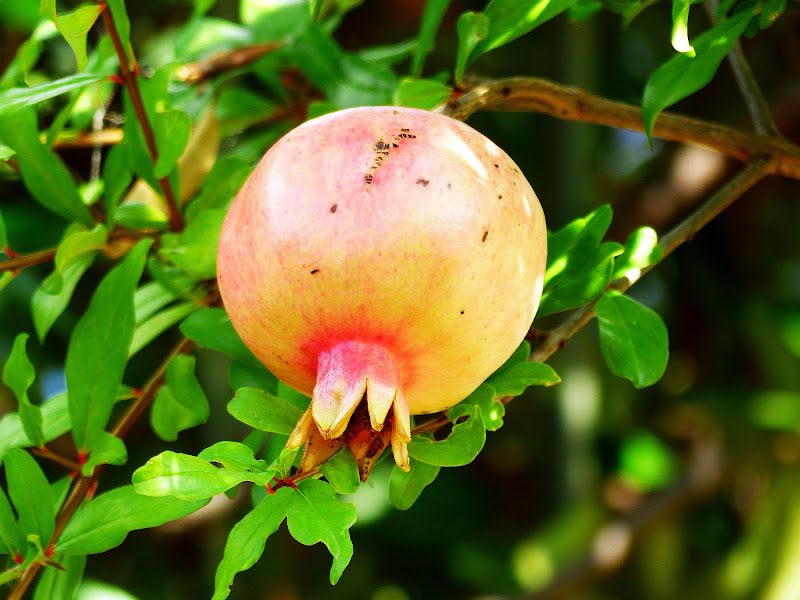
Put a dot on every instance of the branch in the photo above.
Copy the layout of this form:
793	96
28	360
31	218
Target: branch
88	139
28	260
132	85
84	486
573	104
223	61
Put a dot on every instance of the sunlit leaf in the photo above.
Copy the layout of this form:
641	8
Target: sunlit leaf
341	471
14	99
680	27
195	249
73	25
31	495
223	182
172	129
61	584
633	339
514	380
106	521
641	250
181	404
492	410
472	27
233	455
421	93
264	411
157	324
107	449
406	487
682	75
459	448
316	514
211	328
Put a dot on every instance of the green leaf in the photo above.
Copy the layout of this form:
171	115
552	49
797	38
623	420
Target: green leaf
190	478
3	235
211	328
460	448
77	242
74	26
683	75
43	173
680	27
47	307
221	185
421	93
107	449
10	533
19	374
389	55
641	250
105	522
31	495
264	411
319	57
150	298
579	265
431	20
510	19
492	410
247	376
181	404
582	10
471	27
633	339
341	471
156	325
233	455
98	349
195	249
406	487
136	215
271	21
316	514
172	129
770	11
247	539
14	99
27	55
58	584
514	380
117	176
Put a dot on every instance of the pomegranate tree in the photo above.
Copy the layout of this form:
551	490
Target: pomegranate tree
383	261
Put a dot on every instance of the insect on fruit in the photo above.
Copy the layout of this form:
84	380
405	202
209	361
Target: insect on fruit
384	261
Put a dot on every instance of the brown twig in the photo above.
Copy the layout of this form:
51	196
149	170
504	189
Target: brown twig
573	104
219	62
72	465
88	139
132	85
28	260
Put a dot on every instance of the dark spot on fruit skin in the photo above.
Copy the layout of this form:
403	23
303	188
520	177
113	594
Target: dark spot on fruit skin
499	197
496	166
423	182
314	271
335	206
395	112
381	145
448	186
462	312
368	178
485	235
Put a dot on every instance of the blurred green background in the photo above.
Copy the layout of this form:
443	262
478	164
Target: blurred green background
592	489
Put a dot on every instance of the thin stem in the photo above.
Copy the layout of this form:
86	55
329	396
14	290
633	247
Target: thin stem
530	94
132	85
748	85
28	260
72	465
220	62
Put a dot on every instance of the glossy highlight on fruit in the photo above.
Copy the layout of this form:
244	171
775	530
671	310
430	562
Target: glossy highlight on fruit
383	261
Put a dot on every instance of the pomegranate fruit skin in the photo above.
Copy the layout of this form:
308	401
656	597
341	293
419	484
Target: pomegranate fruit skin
383	247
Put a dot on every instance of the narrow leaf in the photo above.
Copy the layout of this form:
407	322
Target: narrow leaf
406	487
182	403
19	374
680	27
264	411
431	20
98	348
190	478
460	448
316	514
247	539
10	533
472	27
159	323
43	173
14	99
58	584
149	299
31	495
105	522
683	75
633	339
514	381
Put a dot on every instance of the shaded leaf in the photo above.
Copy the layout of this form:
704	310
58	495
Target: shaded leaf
459	448
3	235
98	349
181	404
406	487
10	533
429	26
492	410
341	471
31	495
246	541
241	375
579	264
105	522
421	93
190	478
316	514
117	176
211	328
471	27
44	175
682	75
264	411
633	339
19	374
514	380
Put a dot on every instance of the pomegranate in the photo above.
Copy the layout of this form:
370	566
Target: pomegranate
383	261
